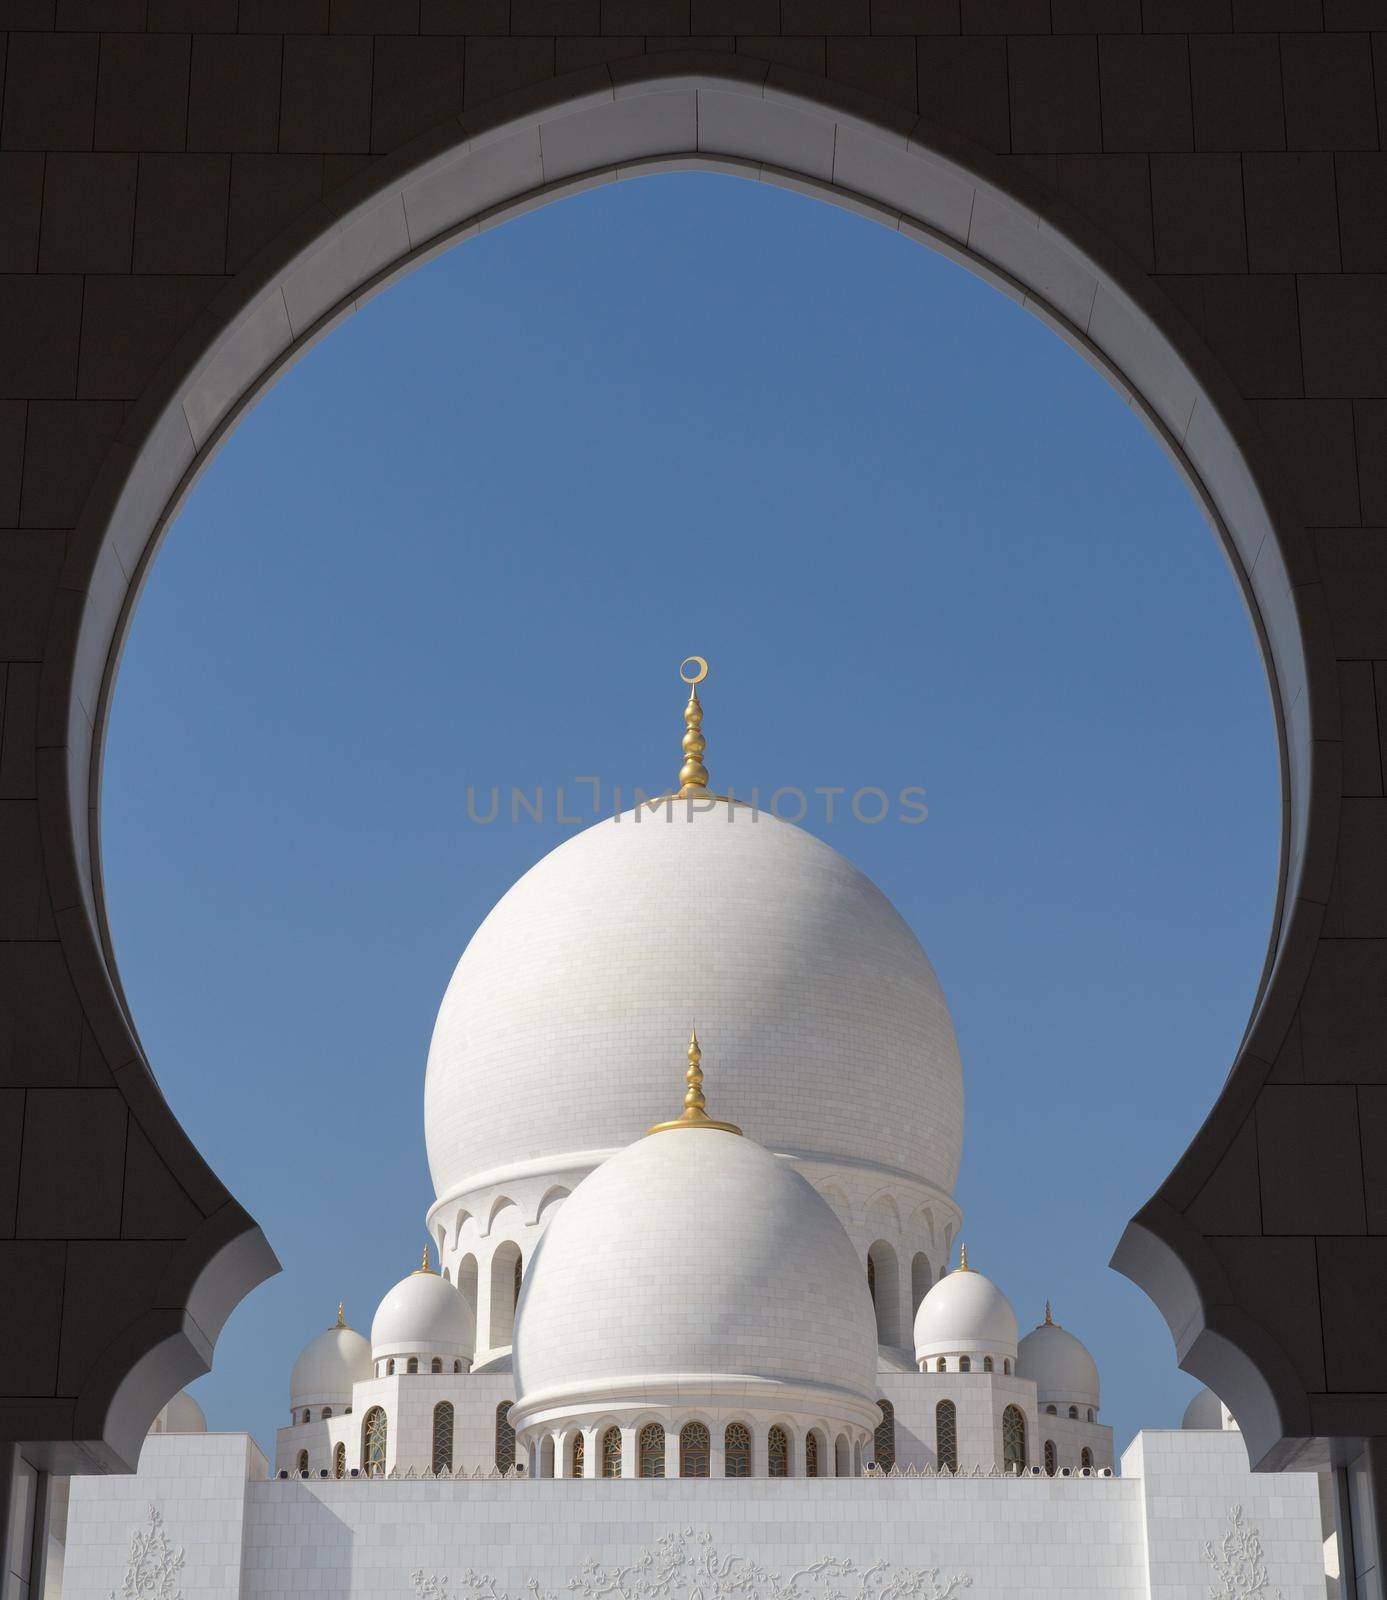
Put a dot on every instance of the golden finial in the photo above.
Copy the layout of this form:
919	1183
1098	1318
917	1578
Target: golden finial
693	775
695	1115
341	1315
424	1264
963	1259
1049	1320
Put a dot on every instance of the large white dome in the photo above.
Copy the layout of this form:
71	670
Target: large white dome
828	1023
695	1265
328	1365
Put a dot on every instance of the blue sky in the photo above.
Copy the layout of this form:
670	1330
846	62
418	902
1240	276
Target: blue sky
467	539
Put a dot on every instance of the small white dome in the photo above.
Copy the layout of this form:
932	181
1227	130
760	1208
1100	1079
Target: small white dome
423	1315
329	1364
1059	1366
181	1415
964	1314
695	1269
1205	1411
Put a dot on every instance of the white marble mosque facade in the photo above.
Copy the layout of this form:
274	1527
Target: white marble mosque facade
742	1328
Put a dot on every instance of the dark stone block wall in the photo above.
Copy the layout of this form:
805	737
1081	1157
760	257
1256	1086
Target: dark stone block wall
1223	159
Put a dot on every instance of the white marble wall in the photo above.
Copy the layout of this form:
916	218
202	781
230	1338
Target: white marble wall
1154	1534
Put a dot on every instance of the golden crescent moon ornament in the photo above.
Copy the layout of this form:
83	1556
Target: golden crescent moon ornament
700	675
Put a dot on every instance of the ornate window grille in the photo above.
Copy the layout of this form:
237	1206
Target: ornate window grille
390	1368
457	1366
1090	1413
443	1436
987	1364
811	1455
650	1451
965	1364
946	1434
1073	1413
327	1412
412	1365
941	1365
505	1437
1051	1461
1013	1439
339	1461
436	1365
694	1446
736	1444
884	1440
777	1454
611	1453
1085	1457
303	1460
373	1439
578	1457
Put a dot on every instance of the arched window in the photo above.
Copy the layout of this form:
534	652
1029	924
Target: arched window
884	1439
1013	1439
1090	1413
1073	1413
443	1437
505	1437
412	1365
946	1435
883	1279
1052	1411
436	1365
327	1412
457	1367
650	1451
1006	1368
505	1282
307	1414
390	1368
303	1460
546	1456
920	1280
611	1453
777	1454
987	1364
840	1456
373	1438
339	1461
515	1285
1085	1457
940	1365
447	1275
1050	1461
736	1446
577	1457
694	1447
965	1364
811	1455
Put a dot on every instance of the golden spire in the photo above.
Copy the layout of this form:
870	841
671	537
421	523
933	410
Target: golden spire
963	1259
1049	1320
341	1315
695	1115
424	1264
693	775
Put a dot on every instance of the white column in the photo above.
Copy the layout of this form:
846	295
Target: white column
629	1446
